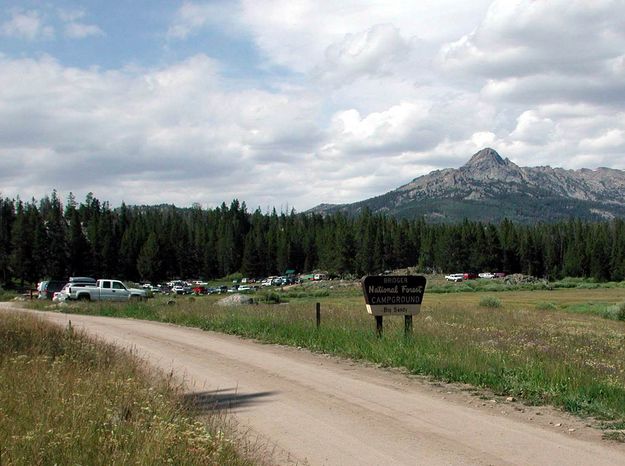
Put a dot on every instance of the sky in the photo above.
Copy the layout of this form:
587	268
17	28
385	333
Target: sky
293	103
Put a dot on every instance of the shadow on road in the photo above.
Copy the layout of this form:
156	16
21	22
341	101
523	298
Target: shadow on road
225	399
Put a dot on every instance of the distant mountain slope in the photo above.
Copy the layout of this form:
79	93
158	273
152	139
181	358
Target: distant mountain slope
490	188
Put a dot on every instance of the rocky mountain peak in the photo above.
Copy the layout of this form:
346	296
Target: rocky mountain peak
487	164
487	157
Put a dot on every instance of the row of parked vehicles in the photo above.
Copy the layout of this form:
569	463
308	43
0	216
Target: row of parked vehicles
458	277
88	289
181	287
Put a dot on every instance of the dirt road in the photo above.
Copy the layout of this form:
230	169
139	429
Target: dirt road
322	410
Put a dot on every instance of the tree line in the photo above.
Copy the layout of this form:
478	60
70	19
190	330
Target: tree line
49	238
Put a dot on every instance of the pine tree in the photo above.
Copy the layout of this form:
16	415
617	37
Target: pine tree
617	262
7	217
575	251
21	258
56	247
148	261
79	249
344	247
252	264
600	248
364	264
492	250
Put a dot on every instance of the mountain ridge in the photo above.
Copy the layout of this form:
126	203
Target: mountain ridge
490	188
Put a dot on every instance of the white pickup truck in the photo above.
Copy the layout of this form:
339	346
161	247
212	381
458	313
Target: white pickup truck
104	290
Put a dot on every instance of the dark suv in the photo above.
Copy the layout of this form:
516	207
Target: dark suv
47	288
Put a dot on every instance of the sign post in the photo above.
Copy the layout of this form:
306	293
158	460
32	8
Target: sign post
407	325
379	326
318	314
392	295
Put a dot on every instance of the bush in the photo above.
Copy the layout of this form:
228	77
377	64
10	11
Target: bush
588	286
615	312
490	301
270	298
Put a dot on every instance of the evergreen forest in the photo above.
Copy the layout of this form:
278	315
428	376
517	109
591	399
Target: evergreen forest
52	239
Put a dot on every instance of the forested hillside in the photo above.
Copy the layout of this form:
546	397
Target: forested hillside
48	239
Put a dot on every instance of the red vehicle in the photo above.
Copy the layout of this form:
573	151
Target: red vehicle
469	275
198	290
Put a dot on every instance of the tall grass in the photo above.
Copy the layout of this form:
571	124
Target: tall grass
65	399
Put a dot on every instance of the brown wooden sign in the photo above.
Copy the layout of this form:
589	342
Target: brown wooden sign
392	295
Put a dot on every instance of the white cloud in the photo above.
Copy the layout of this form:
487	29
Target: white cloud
70	15
368	52
31	25
612	140
192	17
296	35
483	139
75	30
570	136
545	51
378	132
167	127
532	128
27	25
527	37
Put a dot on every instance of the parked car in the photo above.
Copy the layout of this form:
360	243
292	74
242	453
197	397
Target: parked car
75	282
469	275
454	277
47	288
181	289
486	275
105	290
156	288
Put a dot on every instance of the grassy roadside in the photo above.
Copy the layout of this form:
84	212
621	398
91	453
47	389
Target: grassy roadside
540	354
65	399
